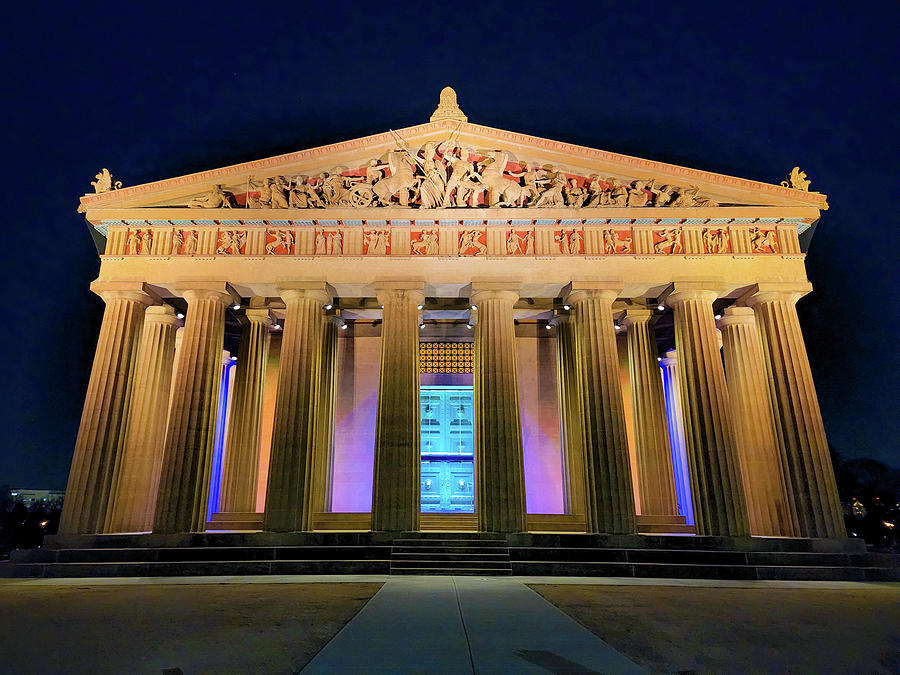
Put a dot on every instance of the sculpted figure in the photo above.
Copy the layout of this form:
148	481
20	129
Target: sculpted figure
224	242
499	188
563	239
796	180
216	198
553	194
298	197
468	239
595	192
427	243
431	190
177	242
336	193
617	194
190	246
278	188
716	241
637	196
460	168
575	242
134	242
104	182
662	196
671	241
689	197
335	243
376	242
575	195
401	182
288	241
321	243
261	200
514	242
529	243
612	243
147	242
275	243
762	241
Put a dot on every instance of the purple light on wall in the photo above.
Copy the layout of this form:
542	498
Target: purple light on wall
677	444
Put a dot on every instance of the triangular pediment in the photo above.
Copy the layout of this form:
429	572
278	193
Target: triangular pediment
450	164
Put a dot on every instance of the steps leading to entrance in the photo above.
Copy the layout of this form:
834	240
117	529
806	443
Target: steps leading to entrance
440	553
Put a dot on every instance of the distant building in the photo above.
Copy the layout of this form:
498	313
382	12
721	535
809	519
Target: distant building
29	497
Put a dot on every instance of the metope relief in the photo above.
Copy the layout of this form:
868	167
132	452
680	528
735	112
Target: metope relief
570	242
667	241
231	242
763	241
279	242
472	242
329	242
376	242
715	240
617	241
425	242
520	242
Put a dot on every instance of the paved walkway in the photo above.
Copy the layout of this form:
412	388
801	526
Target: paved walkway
464	625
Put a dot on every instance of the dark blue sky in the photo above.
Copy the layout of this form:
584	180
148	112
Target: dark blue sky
749	90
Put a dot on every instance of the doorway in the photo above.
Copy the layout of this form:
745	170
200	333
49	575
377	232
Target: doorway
447	477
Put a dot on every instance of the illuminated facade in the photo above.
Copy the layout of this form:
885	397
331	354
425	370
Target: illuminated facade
452	326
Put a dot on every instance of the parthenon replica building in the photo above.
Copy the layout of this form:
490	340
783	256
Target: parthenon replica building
452	326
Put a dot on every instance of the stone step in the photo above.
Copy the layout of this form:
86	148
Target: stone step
430	555
436	571
449	564
451	549
194	568
430	543
200	554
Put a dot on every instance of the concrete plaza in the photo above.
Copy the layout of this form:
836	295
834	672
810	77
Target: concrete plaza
445	624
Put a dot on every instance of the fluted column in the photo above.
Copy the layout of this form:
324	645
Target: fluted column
609	498
798	420
187	459
395	492
570	416
719	506
675	420
241	462
323	452
499	462
287	493
102	427
137	473
768	507
656	479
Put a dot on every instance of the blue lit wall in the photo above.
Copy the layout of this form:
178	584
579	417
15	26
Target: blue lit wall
215	477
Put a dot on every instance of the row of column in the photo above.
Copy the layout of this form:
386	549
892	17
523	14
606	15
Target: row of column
754	444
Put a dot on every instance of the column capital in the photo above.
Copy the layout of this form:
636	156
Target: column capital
208	290
775	291
129	290
163	314
500	289
263	316
633	316
297	290
669	360
737	316
415	290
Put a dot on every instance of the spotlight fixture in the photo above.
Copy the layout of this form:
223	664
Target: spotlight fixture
382	307
567	307
343	326
548	326
422	325
661	308
420	306
718	316
234	358
618	327
469	326
179	315
474	306
276	327
659	358
236	307
329	306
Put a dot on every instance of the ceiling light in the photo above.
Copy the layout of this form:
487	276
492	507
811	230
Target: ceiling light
474	306
661	308
420	306
422	325
343	326
236	307
548	326
718	316
179	315
329	306
566	307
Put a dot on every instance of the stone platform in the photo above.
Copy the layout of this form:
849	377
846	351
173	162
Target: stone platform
474	553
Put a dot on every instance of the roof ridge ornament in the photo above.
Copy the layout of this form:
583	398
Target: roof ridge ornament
796	180
104	182
448	108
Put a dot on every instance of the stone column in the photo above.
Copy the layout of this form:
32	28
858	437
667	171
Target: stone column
675	420
656	479
718	496
499	462
798	420
323	453
287	492
768	507
395	493
609	498
570	416
241	460
187	460
101	431
137	474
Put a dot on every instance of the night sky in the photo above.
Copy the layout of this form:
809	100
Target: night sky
749	91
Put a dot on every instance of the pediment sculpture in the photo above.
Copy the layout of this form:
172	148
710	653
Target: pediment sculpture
448	175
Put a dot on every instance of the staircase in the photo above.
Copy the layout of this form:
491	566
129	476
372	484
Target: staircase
459	553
